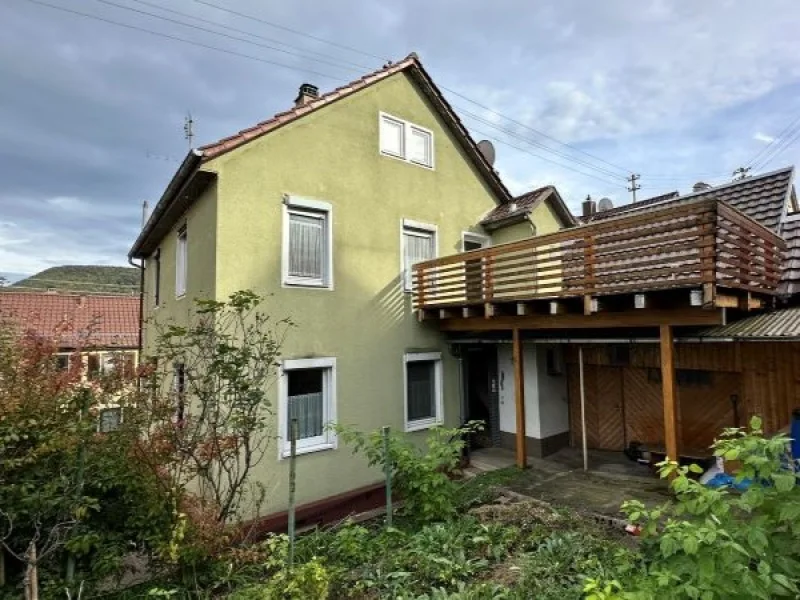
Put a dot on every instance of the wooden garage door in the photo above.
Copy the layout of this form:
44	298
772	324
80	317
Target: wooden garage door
604	407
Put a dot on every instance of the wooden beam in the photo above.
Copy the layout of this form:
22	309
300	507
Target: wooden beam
489	310
469	311
709	292
750	302
668	393
587	305
630	318
519	398
726	301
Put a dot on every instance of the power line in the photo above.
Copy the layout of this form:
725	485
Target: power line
289	29
787	141
766	149
250	33
462	96
539	145
219	33
536	131
184	40
494	138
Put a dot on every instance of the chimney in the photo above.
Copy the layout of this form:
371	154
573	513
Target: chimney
306	94
589	207
700	186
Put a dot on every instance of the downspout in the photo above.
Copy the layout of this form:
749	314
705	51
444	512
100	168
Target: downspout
141	300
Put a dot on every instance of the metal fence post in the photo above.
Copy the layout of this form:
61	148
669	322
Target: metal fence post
292	477
387	466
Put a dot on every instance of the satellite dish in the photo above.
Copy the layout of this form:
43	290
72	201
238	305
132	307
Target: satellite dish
605	204
487	149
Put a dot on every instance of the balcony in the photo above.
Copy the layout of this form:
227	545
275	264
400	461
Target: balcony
719	257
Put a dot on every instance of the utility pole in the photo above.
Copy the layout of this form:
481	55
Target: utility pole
634	186
741	173
188	128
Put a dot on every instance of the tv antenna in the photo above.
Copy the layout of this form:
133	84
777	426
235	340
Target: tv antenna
188	128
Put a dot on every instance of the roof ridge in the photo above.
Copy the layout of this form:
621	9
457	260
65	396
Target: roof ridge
387	69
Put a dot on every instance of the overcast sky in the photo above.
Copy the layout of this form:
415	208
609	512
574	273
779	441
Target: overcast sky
91	114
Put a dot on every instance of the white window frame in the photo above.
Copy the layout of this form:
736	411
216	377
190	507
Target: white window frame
438	418
478	238
312	208
407	129
410	224
328	439
181	262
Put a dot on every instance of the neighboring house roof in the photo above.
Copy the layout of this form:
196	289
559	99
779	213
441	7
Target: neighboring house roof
523	205
782	324
790	276
176	194
764	198
74	320
633	206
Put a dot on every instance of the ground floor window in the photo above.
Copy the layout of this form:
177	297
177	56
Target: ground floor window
308	394
423	390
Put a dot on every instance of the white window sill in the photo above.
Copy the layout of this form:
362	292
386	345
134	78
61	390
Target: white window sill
307	285
406	160
181	297
422	424
286	453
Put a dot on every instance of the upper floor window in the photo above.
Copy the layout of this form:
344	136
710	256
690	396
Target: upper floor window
419	244
181	263
307	243
406	141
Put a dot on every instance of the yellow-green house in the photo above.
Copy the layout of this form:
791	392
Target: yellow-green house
323	209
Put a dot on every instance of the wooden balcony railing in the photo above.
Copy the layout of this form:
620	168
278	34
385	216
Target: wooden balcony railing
682	245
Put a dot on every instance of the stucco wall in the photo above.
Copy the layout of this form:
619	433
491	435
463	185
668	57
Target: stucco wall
200	221
546	402
544	219
366	321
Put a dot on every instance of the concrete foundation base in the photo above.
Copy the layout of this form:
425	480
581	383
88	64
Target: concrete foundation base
538	447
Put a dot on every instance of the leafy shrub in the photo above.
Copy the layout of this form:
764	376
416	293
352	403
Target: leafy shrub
564	560
420	473
718	543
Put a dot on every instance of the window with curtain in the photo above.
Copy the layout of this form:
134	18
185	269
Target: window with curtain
423	390
308	396
418	245
307	246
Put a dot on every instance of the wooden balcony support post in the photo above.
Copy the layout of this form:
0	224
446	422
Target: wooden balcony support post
519	398
668	392
708	256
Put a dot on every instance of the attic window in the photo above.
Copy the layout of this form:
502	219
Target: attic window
406	141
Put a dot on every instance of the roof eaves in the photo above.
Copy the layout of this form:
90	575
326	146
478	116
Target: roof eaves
179	181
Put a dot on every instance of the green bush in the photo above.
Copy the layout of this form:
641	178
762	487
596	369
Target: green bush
719	543
420	473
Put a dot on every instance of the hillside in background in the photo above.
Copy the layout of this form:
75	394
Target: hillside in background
84	278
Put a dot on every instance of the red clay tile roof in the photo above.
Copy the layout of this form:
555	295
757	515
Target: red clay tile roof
196	158
74	320
524	204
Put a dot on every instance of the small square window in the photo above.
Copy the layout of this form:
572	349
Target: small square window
392	136
423	390
420	146
406	141
308	395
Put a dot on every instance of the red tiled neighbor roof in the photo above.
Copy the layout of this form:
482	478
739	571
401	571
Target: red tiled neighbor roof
74	320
